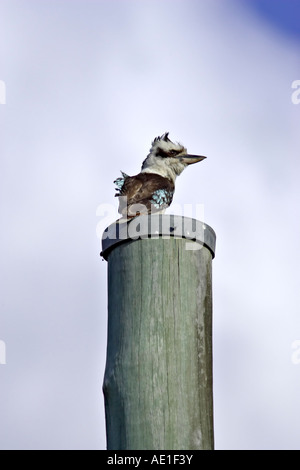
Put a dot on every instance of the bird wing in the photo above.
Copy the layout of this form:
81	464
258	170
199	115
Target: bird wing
146	190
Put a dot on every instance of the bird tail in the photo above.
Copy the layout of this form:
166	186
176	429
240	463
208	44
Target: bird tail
119	182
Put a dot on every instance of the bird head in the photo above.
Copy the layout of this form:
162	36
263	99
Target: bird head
167	158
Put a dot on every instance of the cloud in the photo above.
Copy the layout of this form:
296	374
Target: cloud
88	88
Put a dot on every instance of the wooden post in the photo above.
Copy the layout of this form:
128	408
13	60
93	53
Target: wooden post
158	377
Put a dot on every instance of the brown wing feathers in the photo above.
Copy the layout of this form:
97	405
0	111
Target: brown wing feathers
139	189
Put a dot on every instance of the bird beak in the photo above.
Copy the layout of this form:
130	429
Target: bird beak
189	159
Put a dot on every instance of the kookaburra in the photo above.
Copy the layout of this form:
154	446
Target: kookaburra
152	190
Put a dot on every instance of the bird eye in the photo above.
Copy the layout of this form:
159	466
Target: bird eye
173	152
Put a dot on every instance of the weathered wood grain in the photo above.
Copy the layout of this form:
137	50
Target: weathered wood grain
158	377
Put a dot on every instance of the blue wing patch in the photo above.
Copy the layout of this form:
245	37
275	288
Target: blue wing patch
161	198
119	182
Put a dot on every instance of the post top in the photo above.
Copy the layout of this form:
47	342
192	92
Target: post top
157	226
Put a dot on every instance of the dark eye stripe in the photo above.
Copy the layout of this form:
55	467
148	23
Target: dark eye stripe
163	154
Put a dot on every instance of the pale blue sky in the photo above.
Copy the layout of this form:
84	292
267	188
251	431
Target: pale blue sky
89	84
